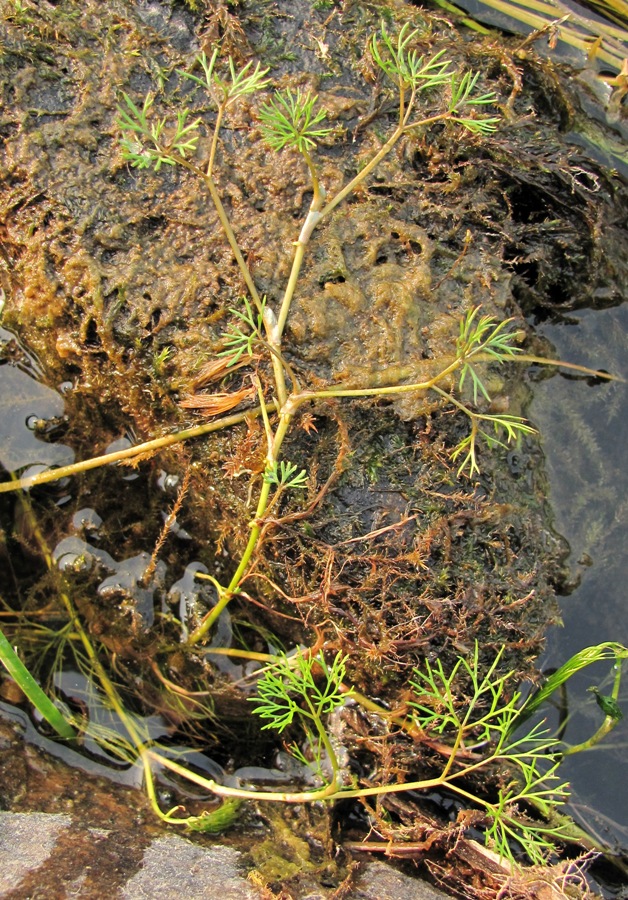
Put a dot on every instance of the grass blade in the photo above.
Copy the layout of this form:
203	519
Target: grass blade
43	704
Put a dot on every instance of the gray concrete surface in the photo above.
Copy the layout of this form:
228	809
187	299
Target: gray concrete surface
174	868
36	861
26	842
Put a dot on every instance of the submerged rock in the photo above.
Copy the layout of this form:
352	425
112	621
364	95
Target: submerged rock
123	284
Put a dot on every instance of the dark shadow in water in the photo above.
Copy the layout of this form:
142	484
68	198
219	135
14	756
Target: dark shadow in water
584	430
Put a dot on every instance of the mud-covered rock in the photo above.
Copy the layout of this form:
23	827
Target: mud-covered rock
122	282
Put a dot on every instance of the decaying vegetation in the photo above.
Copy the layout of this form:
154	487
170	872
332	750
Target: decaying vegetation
339	544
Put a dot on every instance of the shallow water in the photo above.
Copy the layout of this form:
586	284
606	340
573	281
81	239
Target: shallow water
584	430
111	562
28	409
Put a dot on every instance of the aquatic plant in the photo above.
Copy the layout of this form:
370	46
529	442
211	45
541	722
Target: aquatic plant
472	716
304	689
294	121
32	690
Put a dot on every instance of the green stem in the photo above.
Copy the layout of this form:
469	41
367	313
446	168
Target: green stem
214	145
318	212
299	399
105	681
313	218
566	827
399	131
274	345
363	173
319	190
543	361
269	658
403	119
475	417
605	728
310	223
607	725
454	751
224	221
226	596
329	791
265	419
149	784
402	98
324	737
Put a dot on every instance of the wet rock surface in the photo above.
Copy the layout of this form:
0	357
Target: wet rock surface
105	843
171	867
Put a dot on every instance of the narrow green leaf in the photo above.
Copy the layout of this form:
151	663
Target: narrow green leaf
582	659
22	677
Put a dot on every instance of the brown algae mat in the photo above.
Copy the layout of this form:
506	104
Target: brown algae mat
121	282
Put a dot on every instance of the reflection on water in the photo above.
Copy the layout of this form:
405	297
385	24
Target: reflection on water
29	411
584	430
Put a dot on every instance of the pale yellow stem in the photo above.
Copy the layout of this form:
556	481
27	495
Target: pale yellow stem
120	455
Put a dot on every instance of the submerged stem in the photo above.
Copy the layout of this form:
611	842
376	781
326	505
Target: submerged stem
214	145
208	179
318	211
399	131
224	221
299	399
119	455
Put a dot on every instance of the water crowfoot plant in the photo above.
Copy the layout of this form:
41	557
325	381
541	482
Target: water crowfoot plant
465	715
293	122
481	334
285	475
473	715
238	341
305	688
158	151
